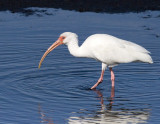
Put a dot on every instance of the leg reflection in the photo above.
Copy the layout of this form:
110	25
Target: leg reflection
100	96
111	98
109	106
44	118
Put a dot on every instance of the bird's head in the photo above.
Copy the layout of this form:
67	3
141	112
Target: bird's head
68	36
64	38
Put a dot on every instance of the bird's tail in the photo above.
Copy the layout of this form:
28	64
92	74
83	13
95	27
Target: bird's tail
145	57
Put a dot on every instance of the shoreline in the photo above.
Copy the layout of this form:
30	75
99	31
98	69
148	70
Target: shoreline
103	6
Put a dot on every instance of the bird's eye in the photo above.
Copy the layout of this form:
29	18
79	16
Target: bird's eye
63	37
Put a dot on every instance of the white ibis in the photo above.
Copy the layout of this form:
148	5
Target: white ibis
107	49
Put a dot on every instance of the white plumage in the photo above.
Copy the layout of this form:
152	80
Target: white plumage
105	48
111	50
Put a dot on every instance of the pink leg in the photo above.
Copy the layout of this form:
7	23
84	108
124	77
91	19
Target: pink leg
99	81
112	92
112	76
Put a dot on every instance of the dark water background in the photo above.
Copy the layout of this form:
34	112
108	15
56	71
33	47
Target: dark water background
59	91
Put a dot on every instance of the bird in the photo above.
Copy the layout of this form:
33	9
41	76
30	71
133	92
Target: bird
105	48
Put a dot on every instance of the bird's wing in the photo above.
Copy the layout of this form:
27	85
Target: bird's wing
111	50
131	46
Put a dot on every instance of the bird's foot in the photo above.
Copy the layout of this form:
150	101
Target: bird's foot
98	82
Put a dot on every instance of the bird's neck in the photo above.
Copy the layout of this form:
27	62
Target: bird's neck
74	48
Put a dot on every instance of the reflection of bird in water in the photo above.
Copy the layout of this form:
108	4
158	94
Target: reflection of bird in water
107	49
112	117
107	116
44	118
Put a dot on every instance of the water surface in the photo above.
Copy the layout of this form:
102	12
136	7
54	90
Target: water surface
59	91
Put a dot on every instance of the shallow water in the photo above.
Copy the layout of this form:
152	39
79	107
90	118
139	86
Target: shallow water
59	91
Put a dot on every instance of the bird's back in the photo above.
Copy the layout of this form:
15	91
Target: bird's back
111	50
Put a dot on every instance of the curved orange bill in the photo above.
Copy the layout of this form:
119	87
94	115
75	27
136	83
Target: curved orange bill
54	45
